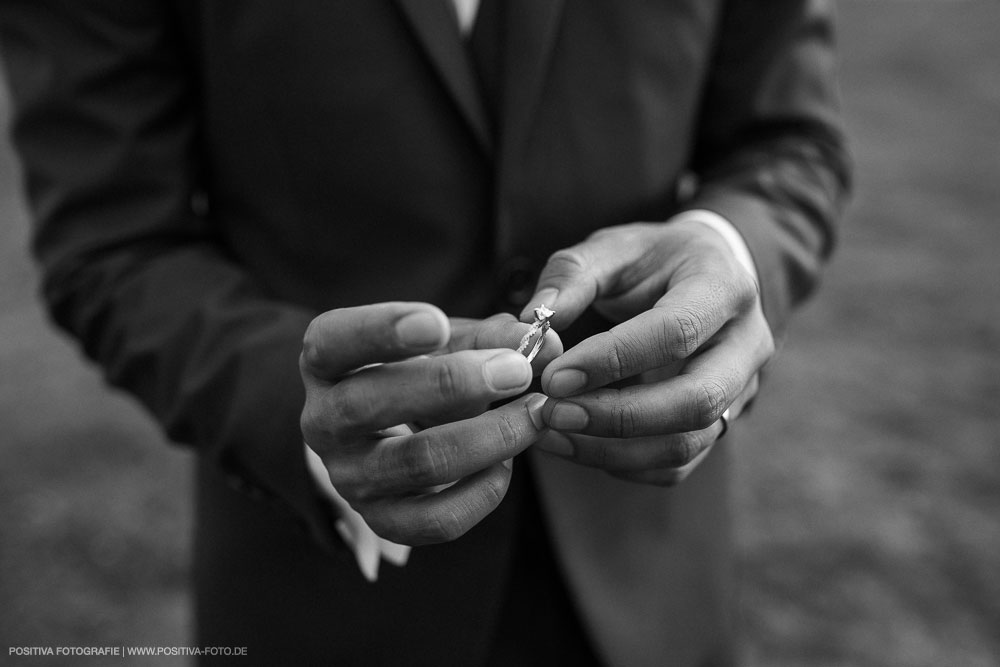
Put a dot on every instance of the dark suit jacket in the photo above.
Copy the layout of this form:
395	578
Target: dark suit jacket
207	176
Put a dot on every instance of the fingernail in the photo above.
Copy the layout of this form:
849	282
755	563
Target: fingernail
566	382
568	417
507	370
421	329
556	443
534	407
547	297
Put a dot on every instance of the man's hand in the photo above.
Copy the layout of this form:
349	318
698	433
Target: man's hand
692	337
369	386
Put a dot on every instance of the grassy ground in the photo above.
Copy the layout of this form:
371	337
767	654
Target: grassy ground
869	499
872	525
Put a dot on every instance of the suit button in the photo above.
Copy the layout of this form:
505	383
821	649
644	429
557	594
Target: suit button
517	279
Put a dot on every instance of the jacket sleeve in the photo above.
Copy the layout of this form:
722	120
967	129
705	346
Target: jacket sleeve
105	122
770	154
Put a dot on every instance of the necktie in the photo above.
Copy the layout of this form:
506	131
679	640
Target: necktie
486	48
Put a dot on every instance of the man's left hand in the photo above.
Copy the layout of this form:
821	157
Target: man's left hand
644	400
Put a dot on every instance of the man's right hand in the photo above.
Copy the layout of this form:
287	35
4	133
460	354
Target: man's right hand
368	384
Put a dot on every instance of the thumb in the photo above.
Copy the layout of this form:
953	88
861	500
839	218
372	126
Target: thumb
573	278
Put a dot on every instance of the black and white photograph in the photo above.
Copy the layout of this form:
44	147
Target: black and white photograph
486	333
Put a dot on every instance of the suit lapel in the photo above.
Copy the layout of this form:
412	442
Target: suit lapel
434	23
531	33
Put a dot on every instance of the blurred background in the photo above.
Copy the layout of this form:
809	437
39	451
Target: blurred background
868	483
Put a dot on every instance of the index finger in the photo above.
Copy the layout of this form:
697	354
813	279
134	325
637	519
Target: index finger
573	278
501	331
442	454
687	316
339	341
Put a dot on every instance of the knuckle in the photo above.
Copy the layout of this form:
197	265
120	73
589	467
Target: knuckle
688	324
350	409
769	346
624	356
308	422
508	432
424	461
671	478
315	422
493	332
564	263
625	419
309	359
479	333
379	468
709	402
305	360
613	232
614	361
745	290
494	490
448	381
682	449
442	526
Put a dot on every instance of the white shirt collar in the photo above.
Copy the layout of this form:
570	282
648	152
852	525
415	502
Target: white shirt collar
466	10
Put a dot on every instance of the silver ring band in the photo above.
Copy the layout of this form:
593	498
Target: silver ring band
724	420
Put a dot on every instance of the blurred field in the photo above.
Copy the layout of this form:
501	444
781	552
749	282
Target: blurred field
869	476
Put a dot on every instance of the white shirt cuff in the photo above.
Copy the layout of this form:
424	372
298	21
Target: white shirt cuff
369	549
725	229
